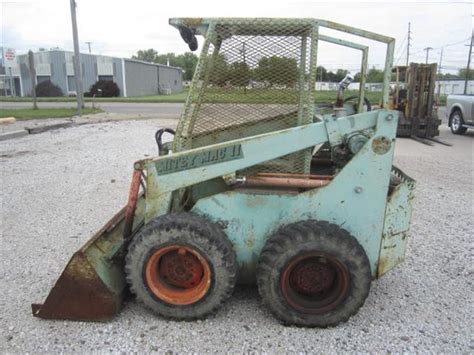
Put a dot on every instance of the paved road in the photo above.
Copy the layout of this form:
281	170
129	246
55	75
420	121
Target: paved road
162	110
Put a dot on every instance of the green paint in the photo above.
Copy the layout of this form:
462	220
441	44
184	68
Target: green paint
173	164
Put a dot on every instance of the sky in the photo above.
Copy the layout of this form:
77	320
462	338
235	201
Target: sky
121	28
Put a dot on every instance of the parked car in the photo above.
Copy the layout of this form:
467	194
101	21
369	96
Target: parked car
460	113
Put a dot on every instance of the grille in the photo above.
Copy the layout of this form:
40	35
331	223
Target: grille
251	79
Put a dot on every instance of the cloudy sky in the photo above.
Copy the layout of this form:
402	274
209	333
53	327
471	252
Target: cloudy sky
120	28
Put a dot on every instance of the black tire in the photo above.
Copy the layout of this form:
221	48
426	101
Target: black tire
191	232
323	247
456	122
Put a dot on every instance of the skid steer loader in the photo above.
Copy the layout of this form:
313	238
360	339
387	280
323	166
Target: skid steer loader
258	186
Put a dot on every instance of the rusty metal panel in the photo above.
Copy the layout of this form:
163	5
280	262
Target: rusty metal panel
92	285
397	223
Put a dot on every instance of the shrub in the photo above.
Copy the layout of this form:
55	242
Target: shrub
109	89
48	89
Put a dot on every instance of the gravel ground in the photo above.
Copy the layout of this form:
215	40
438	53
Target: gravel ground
59	187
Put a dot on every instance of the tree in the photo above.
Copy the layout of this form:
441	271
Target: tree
239	74
277	70
165	58
147	55
374	75
321	74
219	74
448	76
462	74
186	61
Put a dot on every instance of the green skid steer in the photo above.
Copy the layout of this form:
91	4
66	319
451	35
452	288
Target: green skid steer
259	185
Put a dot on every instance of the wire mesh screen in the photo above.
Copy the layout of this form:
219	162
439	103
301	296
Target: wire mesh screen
249	83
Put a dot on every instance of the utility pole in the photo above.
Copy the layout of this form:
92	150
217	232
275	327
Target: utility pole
77	59
427	49
468	64
408	45
89	45
439	75
31	65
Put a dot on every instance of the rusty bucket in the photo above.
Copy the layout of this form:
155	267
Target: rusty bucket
92	286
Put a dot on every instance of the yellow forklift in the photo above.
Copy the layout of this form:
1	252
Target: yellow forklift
413	96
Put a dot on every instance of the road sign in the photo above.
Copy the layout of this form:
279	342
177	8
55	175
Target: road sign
9	57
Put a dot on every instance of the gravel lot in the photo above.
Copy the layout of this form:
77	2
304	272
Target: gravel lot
59	187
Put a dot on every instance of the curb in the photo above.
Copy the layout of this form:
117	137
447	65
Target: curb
45	128
13	134
34	130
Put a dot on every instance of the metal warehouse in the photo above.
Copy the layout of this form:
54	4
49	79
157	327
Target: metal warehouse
133	77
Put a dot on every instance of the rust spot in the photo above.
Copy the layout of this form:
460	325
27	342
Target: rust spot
79	294
381	145
193	22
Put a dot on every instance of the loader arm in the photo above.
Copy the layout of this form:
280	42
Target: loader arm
165	174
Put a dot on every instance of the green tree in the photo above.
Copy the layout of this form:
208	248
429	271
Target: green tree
147	55
219	74
188	62
448	76
374	75
462	74
321	73
277	70
164	58
239	74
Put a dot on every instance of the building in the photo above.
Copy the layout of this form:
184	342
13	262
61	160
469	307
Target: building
133	77
448	87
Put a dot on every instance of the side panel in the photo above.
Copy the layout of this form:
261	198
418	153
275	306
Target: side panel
58	70
170	78
397	224
355	200
141	78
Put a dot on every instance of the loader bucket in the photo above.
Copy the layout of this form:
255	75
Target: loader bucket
93	284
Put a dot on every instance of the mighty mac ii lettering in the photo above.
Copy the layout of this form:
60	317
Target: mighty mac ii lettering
195	160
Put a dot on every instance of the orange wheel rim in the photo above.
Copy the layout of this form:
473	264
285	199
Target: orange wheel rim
178	275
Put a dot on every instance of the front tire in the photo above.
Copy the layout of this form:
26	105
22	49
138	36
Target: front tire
313	274
181	266
457	122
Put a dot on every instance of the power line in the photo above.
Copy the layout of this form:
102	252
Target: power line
400	46
401	55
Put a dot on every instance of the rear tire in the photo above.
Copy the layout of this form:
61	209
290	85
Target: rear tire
457	122
181	266
313	274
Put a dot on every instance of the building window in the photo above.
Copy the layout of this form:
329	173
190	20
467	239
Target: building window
41	78
106	77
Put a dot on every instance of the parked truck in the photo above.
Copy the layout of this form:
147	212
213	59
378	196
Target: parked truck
460	113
